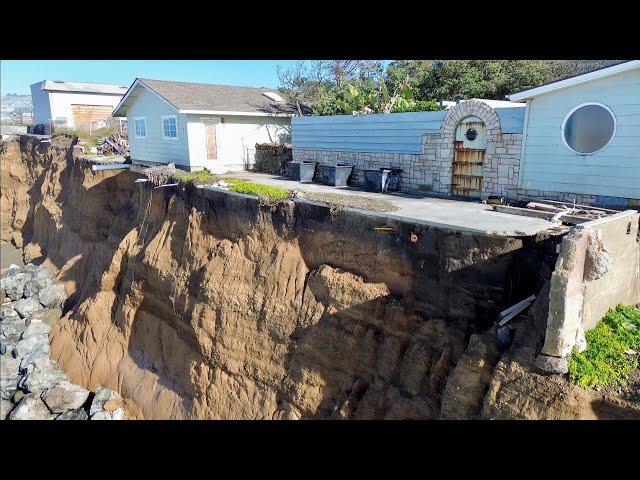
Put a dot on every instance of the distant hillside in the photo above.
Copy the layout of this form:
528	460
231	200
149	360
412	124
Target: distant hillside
11	103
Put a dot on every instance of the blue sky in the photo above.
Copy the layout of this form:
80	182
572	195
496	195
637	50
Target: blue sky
16	76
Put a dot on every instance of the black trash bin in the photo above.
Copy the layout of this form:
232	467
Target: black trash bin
336	175
301	171
382	180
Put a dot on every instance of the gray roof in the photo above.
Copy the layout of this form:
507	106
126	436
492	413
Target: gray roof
203	96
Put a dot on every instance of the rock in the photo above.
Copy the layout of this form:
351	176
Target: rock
27	306
31	407
7	312
548	364
19	395
13	327
42	277
50	316
36	327
29	344
77	414
52	296
64	396
102	396
31	288
41	378
101	415
38	358
117	414
5	407
9	376
581	340
13	284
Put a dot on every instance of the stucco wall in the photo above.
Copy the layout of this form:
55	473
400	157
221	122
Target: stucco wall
550	166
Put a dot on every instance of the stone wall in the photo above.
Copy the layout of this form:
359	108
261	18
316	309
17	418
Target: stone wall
431	170
272	157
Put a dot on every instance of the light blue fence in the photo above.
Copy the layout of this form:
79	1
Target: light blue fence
391	132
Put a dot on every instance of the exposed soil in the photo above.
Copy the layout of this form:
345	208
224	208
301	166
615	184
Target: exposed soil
337	201
194	303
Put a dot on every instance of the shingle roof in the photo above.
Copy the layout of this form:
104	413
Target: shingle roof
203	96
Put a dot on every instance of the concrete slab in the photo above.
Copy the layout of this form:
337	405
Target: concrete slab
450	214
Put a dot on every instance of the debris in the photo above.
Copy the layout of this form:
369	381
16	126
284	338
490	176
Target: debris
548	364
160	174
167	185
495	200
115	144
413	237
383	229
511	312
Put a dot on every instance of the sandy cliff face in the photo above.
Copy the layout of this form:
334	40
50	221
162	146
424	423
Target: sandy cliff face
196	304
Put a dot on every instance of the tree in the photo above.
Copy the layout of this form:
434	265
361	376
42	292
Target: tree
294	83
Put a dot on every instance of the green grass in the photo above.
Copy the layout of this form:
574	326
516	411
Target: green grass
605	362
197	178
262	191
58	133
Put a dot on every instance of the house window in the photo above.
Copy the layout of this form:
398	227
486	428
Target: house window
140	125
588	128
170	127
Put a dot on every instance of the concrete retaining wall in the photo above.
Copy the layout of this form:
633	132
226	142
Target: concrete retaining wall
598	267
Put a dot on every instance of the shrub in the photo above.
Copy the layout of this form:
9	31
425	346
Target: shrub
605	362
59	133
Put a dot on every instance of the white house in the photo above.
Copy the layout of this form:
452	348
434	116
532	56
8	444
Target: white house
198	126
582	136
73	105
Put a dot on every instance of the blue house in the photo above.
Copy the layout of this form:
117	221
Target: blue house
581	138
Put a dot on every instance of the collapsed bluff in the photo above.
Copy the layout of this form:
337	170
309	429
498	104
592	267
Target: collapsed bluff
201	304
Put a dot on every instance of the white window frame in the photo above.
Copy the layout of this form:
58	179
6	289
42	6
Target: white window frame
135	132
585	104
162	119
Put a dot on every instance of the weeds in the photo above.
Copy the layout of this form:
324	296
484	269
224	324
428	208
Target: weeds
262	191
606	361
202	177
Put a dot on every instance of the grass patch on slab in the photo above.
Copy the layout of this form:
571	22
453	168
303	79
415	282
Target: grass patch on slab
259	190
201	177
605	360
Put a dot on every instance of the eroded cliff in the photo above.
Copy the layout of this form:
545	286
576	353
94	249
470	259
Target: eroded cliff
200	304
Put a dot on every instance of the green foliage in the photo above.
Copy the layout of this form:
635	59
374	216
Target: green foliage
259	190
59	133
202	177
604	361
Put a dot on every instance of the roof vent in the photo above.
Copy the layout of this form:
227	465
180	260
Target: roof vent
273	96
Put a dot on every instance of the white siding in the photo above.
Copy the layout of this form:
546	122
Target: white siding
237	137
155	148
549	165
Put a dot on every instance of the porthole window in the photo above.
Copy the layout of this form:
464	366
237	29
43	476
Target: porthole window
588	128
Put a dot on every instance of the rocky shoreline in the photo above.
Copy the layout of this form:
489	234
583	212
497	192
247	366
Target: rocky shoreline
31	385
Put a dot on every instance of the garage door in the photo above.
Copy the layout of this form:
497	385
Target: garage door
83	115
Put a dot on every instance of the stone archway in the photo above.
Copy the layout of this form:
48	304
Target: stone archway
455	115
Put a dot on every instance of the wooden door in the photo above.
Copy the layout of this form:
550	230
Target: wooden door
211	137
468	161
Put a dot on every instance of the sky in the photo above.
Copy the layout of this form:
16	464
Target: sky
16	76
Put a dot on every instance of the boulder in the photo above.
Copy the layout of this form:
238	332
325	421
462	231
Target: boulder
65	396
35	327
29	344
52	296
101	415
31	288
102	396
27	306
50	316
31	407
77	414
38	358
5	408
7	312
13	284
42	277
13	326
41	378
9	376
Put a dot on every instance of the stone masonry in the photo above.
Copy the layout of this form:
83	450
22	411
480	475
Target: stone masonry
431	170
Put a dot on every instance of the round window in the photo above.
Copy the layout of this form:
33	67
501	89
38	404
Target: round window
588	128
